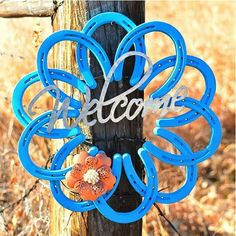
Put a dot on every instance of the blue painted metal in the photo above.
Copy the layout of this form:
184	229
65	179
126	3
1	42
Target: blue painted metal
134	37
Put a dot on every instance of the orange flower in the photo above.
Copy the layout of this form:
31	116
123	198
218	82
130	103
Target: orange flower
90	176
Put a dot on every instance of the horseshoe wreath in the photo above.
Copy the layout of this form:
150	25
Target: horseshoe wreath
92	176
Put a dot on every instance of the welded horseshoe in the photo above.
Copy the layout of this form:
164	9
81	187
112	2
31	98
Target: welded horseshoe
198	156
139	32
32	78
149	196
190	179
32	129
74	36
104	18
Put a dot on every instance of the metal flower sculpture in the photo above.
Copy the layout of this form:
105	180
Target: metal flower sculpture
91	176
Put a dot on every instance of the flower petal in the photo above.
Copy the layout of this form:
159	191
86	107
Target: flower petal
80	158
106	177
70	180
98	189
91	162
109	183
77	171
85	191
103	159
104	172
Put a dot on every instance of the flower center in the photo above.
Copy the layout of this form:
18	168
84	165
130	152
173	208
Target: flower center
91	176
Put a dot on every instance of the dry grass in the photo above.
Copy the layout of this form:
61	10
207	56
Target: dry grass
18	49
209	31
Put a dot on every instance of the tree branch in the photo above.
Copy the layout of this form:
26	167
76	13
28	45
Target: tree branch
33	8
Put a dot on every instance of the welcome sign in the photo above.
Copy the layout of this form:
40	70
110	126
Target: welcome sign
94	177
165	103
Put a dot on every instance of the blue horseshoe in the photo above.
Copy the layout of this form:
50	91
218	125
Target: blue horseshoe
209	79
105	18
196	157
139	32
80	38
33	128
32	78
184	190
149	197
191	61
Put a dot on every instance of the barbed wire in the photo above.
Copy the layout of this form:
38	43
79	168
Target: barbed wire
12	55
31	189
162	214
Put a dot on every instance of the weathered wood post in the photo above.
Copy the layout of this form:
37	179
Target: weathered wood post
119	137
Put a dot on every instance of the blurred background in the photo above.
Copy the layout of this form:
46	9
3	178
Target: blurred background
209	32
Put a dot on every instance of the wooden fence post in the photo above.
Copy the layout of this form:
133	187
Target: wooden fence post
110	137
